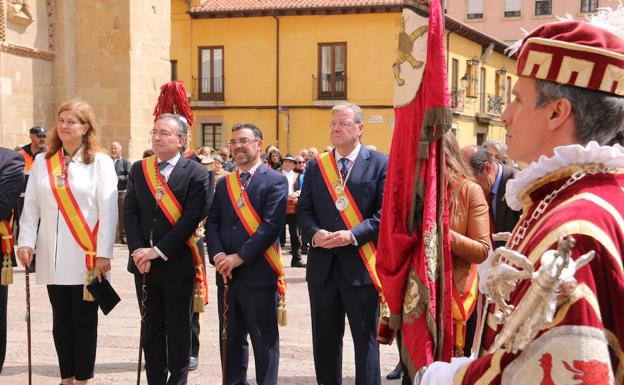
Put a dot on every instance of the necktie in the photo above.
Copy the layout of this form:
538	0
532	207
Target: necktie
344	168
244	176
161	167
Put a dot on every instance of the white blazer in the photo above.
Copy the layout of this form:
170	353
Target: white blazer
60	259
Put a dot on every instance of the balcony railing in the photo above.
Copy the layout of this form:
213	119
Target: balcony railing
457	100
491	104
208	89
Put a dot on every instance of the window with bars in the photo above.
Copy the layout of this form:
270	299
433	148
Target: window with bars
543	7
210	82
211	135
475	9
513	8
589	5
332	70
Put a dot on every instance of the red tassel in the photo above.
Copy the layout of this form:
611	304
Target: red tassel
172	100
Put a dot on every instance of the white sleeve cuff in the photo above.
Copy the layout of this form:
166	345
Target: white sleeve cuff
163	256
353	240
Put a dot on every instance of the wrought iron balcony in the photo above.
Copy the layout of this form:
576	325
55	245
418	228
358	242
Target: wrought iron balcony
457	100
491	104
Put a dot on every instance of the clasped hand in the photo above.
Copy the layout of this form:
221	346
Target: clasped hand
225	264
143	258
330	240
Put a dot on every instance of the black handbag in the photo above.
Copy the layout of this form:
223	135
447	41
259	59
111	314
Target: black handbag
104	294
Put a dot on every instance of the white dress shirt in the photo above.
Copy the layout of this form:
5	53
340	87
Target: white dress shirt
352	157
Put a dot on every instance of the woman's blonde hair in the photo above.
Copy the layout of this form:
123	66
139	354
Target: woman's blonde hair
90	143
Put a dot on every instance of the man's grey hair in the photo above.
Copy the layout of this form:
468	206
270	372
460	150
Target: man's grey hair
499	146
598	115
479	159
358	114
183	127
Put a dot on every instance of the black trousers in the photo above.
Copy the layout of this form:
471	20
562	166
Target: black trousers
4	290
251	311
167	327
328	305
295	240
74	327
195	330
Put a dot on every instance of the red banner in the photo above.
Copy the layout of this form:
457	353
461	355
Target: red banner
414	260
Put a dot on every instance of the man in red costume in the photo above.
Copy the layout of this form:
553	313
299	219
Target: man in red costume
570	95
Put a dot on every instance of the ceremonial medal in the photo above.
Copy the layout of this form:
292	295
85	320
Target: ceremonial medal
342	203
339	189
159	193
60	180
240	203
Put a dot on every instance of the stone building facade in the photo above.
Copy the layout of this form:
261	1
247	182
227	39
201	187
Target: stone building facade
112	53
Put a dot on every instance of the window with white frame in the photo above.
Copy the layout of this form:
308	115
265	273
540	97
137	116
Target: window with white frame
475	9
513	8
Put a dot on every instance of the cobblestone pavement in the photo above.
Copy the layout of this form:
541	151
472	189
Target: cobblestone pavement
118	337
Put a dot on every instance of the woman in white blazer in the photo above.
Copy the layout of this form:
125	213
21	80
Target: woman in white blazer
61	261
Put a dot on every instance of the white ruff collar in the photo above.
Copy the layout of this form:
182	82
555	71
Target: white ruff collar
564	156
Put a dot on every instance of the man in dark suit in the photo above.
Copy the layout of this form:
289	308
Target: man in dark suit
239	260
11	180
159	250
493	177
338	278
122	167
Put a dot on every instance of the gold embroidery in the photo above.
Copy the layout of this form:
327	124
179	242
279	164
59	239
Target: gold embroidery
494	369
581	227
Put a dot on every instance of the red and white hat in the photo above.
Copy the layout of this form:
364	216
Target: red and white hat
574	53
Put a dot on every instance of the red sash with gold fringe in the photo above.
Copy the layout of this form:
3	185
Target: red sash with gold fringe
78	226
351	215
251	221
462	305
173	211
6	247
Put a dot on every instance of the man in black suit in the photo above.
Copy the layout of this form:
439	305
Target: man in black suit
238	255
338	277
122	167
159	250
493	177
11	180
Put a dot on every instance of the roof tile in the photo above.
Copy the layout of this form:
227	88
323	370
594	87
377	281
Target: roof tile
261	5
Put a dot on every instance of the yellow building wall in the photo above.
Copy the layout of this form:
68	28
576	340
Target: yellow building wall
250	74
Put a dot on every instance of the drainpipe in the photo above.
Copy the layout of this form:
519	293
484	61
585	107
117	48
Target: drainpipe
277	78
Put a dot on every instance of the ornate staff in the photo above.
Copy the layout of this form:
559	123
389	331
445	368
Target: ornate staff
226	290
143	311
28	325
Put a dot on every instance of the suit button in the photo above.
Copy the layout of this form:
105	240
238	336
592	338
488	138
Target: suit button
234	228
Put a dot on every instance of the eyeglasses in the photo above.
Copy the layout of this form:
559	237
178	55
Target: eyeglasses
341	124
300	162
162	133
242	142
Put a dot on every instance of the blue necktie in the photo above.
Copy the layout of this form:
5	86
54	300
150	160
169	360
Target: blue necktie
244	176
344	168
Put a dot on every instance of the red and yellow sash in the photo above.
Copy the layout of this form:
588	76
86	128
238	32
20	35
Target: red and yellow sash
251	221
462	306
173	211
74	219
351	216
6	246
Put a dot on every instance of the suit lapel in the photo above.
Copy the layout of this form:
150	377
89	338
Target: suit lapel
177	173
500	197
360	166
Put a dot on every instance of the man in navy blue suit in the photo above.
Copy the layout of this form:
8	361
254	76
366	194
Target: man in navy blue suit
238	255
338	276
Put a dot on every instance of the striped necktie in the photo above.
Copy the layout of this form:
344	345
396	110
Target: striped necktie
344	168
